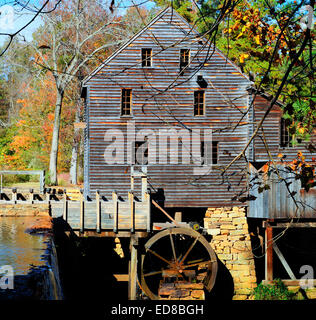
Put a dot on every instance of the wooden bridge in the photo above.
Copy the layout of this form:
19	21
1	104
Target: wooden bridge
102	216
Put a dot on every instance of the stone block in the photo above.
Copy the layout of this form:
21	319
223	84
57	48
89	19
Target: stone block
198	294
220	237
240	220
228	226
240	297
223	256
214	232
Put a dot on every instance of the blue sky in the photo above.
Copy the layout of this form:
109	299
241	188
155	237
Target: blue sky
9	24
13	18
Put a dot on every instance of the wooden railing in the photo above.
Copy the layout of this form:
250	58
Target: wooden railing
100	214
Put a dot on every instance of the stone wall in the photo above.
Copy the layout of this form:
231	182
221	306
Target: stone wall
231	242
24	209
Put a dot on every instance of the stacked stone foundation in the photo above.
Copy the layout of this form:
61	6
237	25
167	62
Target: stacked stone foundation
231	242
24	210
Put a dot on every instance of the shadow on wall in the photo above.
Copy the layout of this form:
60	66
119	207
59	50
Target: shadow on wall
224	285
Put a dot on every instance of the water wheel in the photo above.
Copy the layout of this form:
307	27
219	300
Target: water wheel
176	253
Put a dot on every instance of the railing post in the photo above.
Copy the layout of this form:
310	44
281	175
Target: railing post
42	181
31	198
81	211
98	210
14	195
115	207
65	213
148	213
48	194
132	208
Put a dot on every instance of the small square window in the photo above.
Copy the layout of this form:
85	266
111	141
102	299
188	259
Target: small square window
126	102
184	58
146	57
199	102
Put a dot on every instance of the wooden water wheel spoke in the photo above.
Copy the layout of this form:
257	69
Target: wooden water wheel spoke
189	250
159	256
152	273
195	264
172	247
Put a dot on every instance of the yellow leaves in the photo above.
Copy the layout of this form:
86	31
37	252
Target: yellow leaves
257	39
301	130
242	57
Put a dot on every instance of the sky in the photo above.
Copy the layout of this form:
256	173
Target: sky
13	17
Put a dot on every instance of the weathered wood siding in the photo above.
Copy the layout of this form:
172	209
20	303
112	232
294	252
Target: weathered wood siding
271	132
154	107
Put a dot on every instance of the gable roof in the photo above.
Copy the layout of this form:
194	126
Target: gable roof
158	16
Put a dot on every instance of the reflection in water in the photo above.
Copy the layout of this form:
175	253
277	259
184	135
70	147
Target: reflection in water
18	248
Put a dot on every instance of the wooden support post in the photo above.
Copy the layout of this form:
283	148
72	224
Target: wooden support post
98	210
115	205
144	187
81	211
31	198
148	216
48	194
132	269
14	195
65	213
178	216
268	253
132	210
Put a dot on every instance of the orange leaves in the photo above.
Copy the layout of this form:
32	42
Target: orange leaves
242	57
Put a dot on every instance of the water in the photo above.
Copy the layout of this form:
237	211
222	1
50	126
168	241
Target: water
18	248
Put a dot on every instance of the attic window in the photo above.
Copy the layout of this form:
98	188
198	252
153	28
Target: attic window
184	58
146	57
126	102
199	102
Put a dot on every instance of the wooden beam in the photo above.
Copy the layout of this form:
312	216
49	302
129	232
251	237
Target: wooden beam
115	204
148	213
290	225
81	212
132	269
121	277
98	210
268	254
284	262
132	210
290	282
65	211
111	234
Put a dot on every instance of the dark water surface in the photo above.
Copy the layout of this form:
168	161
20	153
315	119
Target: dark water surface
18	248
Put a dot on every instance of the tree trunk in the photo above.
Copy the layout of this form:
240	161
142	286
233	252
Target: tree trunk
55	139
74	154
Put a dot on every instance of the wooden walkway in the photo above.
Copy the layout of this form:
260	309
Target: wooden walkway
115	215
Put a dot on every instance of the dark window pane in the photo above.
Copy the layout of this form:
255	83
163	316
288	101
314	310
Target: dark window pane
199	97
146	57
126	101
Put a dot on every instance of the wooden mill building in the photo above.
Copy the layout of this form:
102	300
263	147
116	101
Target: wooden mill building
168	83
